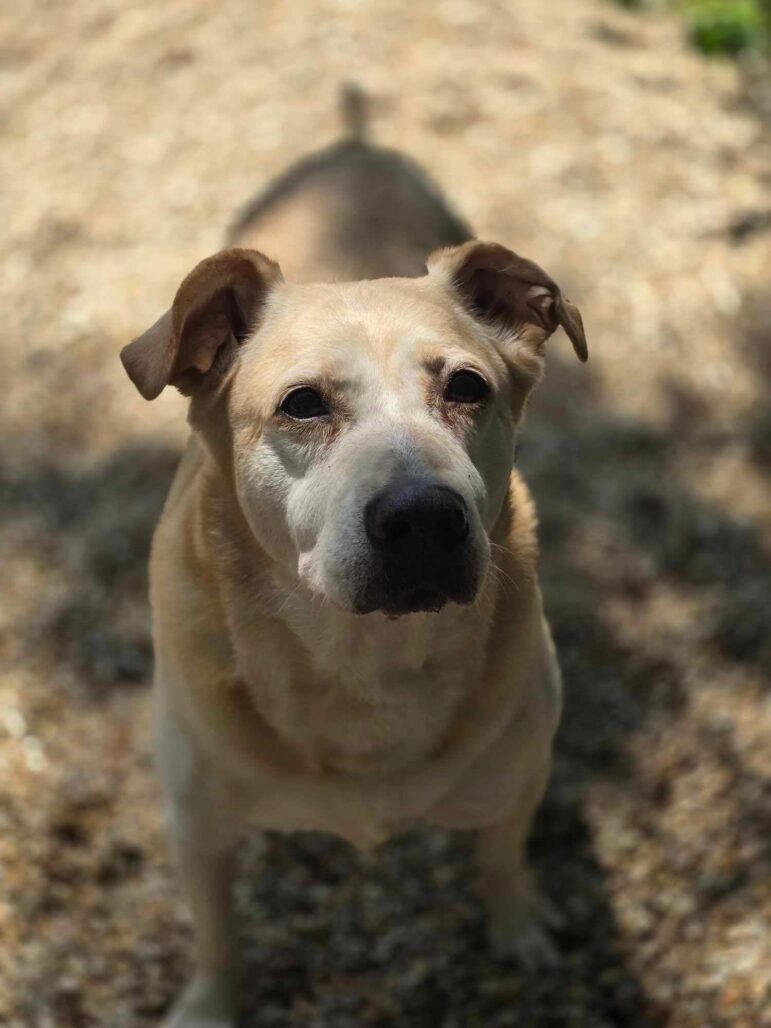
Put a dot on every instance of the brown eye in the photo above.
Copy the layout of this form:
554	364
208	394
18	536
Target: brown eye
466	387
304	403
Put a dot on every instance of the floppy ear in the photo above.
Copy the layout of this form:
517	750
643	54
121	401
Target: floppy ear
215	309
504	289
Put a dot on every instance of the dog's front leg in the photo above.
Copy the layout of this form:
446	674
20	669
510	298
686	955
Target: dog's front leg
206	873
518	917
204	828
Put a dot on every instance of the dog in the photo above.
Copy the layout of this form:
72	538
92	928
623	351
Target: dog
348	629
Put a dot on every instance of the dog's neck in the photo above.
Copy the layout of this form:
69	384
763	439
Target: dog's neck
368	651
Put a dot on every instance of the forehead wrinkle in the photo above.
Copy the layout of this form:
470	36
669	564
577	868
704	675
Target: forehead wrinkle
400	324
360	334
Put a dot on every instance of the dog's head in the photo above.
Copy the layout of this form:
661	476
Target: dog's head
368	427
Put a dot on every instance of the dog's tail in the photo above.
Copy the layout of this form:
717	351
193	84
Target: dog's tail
354	112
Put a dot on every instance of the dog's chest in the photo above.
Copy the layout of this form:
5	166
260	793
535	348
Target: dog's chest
362	704
391	721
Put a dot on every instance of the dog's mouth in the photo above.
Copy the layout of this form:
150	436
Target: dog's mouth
424	597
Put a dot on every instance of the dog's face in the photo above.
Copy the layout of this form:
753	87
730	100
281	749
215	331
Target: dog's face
370	426
373	442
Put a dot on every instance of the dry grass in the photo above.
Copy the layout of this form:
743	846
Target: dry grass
590	140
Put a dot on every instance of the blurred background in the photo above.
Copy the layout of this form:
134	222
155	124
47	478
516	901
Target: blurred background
625	147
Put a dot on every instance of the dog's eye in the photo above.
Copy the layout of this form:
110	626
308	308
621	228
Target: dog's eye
304	403
466	387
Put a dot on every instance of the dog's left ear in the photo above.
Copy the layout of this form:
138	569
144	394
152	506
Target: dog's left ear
215	309
502	288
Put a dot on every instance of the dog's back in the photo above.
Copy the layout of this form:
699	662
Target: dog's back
350	211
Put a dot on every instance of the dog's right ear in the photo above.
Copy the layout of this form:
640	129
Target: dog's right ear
215	309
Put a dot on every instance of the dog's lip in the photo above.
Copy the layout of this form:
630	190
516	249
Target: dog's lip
425	598
427	594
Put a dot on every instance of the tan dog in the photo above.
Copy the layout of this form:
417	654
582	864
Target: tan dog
348	627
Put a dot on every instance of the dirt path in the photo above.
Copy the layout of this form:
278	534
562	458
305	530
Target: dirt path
590	140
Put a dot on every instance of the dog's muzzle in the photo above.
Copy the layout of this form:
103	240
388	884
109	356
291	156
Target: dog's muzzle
422	555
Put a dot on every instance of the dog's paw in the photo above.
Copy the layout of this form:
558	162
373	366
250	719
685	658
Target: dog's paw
204	1004
519	930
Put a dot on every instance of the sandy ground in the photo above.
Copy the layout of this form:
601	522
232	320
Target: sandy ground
588	139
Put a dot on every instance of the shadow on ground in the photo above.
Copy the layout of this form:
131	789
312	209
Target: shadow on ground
90	531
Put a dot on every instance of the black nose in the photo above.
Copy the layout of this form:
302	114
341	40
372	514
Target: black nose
415	517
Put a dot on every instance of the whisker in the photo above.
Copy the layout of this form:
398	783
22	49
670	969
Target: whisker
505	577
507	553
286	600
